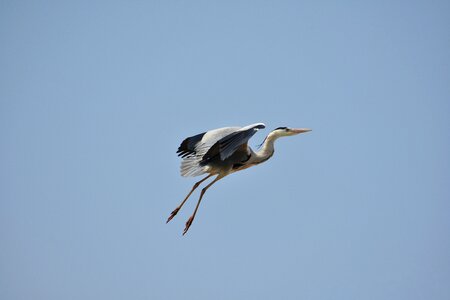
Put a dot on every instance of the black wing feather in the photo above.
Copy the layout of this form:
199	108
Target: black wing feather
187	147
227	145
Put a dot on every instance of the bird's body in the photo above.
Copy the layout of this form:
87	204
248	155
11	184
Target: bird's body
207	152
222	152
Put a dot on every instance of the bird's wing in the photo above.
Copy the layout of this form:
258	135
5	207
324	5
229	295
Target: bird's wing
193	148
187	147
227	145
199	144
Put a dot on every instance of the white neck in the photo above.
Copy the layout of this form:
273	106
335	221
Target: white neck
267	148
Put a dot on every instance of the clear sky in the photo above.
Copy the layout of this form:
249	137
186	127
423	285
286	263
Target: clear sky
96	97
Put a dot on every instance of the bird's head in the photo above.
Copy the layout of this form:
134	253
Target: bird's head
286	131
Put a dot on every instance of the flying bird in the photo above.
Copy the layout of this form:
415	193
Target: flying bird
221	152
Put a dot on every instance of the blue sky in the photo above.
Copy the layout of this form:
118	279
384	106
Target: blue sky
96	97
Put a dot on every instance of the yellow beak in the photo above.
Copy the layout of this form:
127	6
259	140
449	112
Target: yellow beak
300	130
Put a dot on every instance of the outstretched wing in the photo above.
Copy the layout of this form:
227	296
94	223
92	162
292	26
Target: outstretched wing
193	148
227	145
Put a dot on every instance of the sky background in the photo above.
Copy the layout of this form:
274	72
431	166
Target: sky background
97	96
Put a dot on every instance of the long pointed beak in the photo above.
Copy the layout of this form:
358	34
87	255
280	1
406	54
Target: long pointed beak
300	130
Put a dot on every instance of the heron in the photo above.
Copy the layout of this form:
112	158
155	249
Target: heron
221	152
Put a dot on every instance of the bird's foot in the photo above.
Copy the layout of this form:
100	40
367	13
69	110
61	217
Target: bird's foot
188	224
173	214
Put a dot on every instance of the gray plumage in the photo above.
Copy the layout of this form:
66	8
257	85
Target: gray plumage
212	149
224	151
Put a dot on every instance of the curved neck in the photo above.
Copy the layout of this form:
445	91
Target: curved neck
267	149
